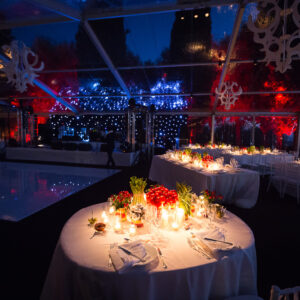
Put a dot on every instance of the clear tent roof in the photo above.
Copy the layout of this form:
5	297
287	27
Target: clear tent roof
173	59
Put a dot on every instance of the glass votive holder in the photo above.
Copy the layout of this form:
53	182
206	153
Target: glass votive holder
118	225
132	230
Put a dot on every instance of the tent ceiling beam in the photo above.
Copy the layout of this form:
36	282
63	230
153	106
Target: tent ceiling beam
187	113
59	8
199	64
150	95
95	40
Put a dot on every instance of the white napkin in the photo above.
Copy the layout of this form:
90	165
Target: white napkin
220	161
218	250
123	261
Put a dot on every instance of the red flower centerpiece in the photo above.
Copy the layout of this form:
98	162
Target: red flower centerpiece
121	203
160	196
206	160
211	197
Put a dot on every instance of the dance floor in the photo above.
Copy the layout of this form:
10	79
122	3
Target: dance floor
27	188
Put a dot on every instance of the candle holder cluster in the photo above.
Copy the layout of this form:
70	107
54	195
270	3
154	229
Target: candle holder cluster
162	208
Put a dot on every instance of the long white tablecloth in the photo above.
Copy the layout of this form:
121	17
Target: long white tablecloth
240	187
79	267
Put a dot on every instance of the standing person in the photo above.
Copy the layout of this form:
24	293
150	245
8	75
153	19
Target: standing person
110	146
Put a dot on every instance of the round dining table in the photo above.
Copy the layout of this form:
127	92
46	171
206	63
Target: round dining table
80	266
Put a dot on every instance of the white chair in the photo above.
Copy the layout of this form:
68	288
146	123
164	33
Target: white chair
277	177
285	294
292	179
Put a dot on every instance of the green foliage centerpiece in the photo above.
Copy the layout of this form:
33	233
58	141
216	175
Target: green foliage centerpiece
184	197
138	186
251	149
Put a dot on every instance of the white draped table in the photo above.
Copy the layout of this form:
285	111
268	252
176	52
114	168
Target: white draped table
239	187
80	270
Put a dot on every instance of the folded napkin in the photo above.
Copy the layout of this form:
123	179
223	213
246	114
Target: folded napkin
220	161
215	249
127	255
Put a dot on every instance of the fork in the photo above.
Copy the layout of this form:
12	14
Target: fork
196	248
110	264
162	259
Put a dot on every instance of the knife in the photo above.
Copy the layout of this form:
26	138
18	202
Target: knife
213	240
132	254
162	259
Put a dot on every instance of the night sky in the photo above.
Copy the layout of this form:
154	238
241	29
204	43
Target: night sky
148	35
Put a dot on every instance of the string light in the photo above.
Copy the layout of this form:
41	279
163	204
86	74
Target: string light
167	128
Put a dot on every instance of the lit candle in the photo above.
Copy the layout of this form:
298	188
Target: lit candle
105	220
175	225
118	225
132	229
165	217
200	212
179	215
111	210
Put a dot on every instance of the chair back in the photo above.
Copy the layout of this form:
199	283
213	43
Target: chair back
285	294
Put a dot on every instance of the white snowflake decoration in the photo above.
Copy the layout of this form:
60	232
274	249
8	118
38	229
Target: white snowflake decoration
18	70
270	30
228	94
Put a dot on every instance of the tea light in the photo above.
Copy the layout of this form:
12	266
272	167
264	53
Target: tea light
200	212
132	230
111	210
175	225
118	226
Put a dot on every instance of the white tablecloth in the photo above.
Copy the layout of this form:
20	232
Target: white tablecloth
238	187
265	159
79	267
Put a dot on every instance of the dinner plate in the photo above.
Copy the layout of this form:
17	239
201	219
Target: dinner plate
150	260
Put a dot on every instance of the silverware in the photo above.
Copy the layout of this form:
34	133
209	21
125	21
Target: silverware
161	258
213	240
94	234
110	264
196	248
132	254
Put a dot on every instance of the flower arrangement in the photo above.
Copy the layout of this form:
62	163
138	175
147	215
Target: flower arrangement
211	197
160	195
187	151
184	197
207	159
137	186
122	200
177	154
196	157
251	149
